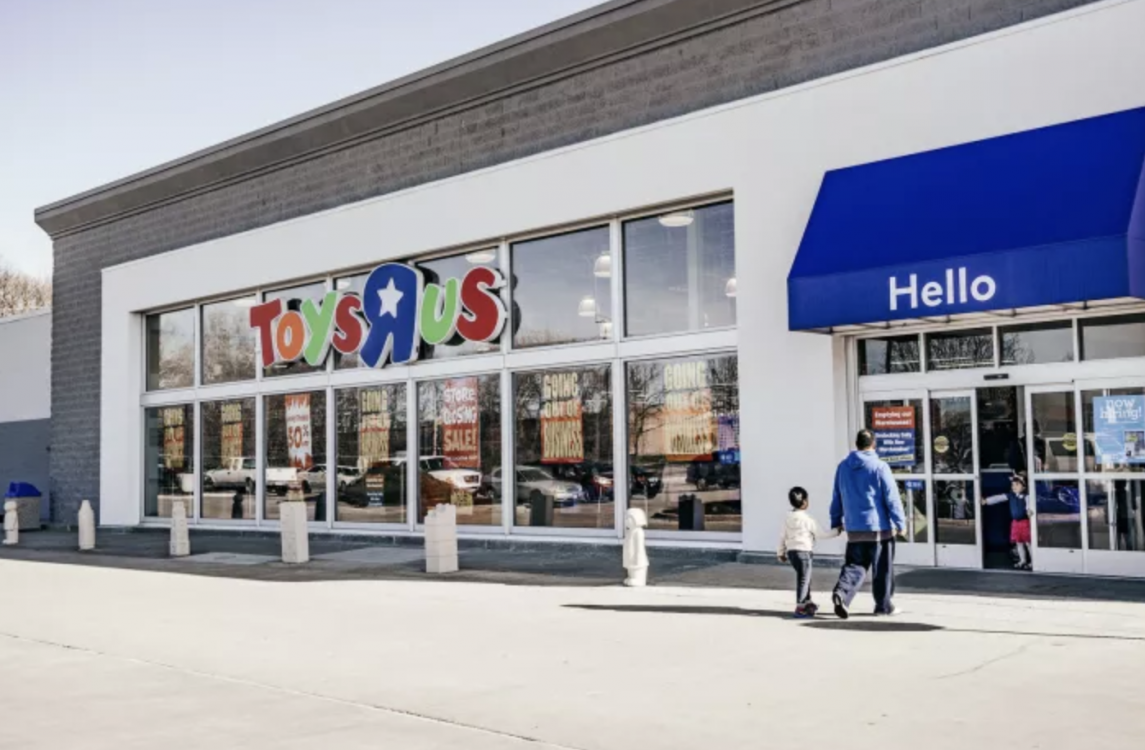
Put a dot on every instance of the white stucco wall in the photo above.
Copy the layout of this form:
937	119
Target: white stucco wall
771	151
26	367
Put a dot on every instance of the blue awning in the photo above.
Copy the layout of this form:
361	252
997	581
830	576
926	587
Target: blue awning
1044	217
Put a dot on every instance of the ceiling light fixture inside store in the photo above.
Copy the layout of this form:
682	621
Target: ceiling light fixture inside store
602	268
587	308
677	219
481	256
730	287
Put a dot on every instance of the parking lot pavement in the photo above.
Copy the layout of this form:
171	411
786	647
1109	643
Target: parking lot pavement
96	656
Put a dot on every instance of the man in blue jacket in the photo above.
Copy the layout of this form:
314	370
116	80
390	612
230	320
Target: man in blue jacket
866	504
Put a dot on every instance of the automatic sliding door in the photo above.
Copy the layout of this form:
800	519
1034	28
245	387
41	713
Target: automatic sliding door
955	472
1051	455
899	424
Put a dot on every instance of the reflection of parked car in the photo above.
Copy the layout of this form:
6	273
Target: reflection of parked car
315	477
235	473
445	470
704	475
534	484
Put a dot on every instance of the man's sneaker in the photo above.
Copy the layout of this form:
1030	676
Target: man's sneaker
840	608
890	613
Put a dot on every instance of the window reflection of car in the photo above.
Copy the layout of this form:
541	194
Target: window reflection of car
1062	500
315	477
534	484
448	471
705	475
235	473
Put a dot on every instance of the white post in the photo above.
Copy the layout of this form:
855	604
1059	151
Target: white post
635	555
87	526
180	536
11	523
295	532
441	539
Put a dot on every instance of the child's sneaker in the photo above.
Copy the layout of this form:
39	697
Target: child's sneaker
811	608
801	613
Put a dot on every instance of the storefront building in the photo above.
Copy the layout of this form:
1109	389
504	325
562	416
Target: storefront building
687	315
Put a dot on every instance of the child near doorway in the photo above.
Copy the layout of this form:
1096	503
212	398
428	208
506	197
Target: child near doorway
1019	499
797	546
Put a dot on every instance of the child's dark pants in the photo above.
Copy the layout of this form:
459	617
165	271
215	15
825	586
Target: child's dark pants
801	561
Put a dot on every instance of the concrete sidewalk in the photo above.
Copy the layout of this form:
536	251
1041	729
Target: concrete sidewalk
97	657
255	556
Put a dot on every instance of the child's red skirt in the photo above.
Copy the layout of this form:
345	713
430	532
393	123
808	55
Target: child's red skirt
1020	531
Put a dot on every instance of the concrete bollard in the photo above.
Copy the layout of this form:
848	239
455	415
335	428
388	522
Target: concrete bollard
441	539
295	533
635	555
11	523
87	526
180	535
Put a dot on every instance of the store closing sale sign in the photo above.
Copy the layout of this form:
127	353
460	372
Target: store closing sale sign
1119	429
460	423
894	429
298	437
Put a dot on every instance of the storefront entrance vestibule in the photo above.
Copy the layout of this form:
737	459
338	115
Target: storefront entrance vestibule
955	438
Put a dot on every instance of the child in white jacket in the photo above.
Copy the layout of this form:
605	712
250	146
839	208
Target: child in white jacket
797	545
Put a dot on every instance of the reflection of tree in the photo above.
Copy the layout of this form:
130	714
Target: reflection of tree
211	413
228	346
645	402
950	351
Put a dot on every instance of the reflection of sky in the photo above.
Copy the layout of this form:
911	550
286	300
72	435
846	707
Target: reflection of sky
1027	345
1114	337
656	272
552	276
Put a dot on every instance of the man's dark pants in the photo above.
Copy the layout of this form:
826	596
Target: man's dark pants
801	561
861	557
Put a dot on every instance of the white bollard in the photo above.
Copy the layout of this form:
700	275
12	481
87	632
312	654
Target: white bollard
87	526
635	555
295	533
180	536
11	523
441	539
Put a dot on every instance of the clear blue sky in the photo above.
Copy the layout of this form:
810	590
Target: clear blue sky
94	90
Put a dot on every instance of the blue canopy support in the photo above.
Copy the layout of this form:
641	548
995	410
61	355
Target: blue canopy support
1050	216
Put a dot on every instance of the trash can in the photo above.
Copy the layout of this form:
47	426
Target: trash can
691	512
27	500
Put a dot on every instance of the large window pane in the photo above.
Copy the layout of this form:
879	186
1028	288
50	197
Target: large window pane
171	350
371	454
563	444
952	427
960	350
954	512
1055	433
228	459
559	293
1113	338
459	447
1114	422
683	443
1058	514
679	271
293	299
169	468
897	425
1037	343
295	442
889	355
229	343
1116	514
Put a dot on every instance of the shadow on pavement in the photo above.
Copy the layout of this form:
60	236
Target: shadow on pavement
684	610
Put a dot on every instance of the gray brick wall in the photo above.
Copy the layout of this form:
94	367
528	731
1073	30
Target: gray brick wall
797	42
24	454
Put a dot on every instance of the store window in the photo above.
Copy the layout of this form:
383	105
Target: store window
295	442
563	438
679	271
171	350
1114	426
229	348
1057	512
1113	338
683	443
1037	343
169	466
960	350
229	463
293	298
371	455
889	355
561	289
1116	514
459	447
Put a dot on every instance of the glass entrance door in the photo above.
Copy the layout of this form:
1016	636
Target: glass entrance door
1051	457
899	422
954	470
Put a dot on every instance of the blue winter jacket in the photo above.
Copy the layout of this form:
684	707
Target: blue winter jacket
866	497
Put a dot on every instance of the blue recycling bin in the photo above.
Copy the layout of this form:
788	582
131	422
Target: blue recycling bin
21	489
